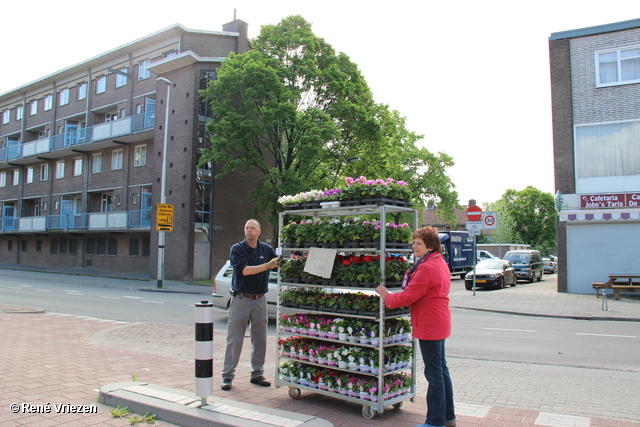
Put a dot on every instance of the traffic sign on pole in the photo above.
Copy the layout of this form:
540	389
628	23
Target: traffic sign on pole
490	220
474	213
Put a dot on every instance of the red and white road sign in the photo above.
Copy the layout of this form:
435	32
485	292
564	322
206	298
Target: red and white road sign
474	213
489	220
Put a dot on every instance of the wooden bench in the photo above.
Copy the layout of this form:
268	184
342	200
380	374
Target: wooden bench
619	283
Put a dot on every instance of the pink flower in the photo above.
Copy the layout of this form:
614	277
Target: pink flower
402	184
349	181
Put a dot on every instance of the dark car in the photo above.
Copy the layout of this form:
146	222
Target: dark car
527	263
491	272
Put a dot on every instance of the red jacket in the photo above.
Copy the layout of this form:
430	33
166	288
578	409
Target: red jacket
428	297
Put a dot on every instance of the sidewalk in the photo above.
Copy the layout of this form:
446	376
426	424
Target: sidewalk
52	359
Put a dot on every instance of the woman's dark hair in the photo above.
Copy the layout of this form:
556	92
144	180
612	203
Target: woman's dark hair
429	235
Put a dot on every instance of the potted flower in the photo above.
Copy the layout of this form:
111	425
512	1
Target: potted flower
292	268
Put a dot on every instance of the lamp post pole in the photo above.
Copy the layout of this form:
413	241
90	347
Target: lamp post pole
163	195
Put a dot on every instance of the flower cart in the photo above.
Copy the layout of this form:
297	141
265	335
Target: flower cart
334	336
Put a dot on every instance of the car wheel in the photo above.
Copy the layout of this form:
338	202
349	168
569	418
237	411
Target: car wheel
533	277
500	284
515	281
468	286
540	277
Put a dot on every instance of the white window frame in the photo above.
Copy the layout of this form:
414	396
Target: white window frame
44	172
19	112
48	102
96	163
60	169
77	166
120	79
101	84
33	107
6	116
143	72
620	61
63	97
29	175
16	176
82	91
140	155
3	179
116	159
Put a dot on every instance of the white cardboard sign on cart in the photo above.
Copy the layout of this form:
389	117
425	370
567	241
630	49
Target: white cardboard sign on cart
320	262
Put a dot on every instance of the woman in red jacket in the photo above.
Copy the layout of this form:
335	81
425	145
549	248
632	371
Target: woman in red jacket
426	290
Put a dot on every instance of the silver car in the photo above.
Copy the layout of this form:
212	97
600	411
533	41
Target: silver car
222	287
491	272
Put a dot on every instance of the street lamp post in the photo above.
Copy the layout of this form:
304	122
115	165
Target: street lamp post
163	179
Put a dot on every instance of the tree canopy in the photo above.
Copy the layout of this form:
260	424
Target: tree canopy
532	216
301	113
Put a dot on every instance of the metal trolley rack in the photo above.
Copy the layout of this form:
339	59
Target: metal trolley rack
370	408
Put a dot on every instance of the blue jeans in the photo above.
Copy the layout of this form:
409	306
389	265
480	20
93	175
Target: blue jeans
440	391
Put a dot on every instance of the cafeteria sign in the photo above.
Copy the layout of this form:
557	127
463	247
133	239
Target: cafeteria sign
164	213
600	201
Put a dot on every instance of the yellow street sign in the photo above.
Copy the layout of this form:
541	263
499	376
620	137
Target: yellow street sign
164	214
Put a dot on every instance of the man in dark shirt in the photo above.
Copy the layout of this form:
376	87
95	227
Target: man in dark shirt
251	260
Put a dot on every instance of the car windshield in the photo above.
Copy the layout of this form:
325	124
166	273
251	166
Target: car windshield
517	259
490	264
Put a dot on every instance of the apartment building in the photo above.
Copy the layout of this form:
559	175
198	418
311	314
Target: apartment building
595	82
81	158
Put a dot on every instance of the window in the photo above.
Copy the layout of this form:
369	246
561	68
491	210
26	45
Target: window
44	206
140	156
44	172
3	179
19	112
101	85
106	203
29	177
91	246
606	150
82	91
96	163
38	245
120	79
146	247
16	176
10	245
54	246
77	166
170	54
618	66
60	169
48	102
143	73
63	97
6	116
134	198
33	107
23	243
100	246
113	247
116	159
63	246
134	247
73	246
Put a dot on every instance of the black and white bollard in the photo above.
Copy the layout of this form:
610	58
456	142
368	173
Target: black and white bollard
204	351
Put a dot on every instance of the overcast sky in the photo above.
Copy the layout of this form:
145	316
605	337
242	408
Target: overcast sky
472	77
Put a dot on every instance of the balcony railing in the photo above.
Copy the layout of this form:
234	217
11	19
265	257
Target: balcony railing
100	132
93	221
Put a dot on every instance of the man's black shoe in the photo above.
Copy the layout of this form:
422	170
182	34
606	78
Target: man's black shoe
226	384
260	381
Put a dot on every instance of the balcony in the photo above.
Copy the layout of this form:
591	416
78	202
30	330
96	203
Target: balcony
138	220
127	130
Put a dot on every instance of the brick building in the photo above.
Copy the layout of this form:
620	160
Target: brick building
595	82
81	158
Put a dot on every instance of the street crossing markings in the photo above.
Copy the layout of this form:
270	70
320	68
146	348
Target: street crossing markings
511	330
110	297
153	302
93	319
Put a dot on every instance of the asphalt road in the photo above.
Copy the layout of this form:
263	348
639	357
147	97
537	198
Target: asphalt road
476	335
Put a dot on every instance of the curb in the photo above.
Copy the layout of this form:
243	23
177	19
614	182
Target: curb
185	409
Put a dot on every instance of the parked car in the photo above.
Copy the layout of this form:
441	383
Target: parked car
222	286
550	264
527	263
491	272
482	254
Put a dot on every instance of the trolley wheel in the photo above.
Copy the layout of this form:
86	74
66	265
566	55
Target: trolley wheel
397	405
294	393
368	412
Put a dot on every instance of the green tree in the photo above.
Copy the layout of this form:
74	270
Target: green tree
533	216
298	112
